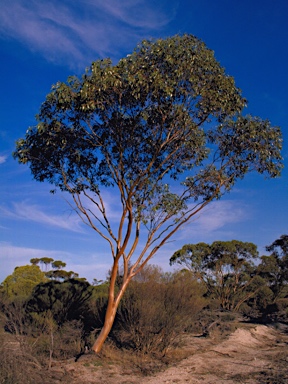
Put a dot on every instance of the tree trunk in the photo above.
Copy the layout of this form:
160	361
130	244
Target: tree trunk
112	306
108	323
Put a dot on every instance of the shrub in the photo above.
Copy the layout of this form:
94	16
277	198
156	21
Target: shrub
156	309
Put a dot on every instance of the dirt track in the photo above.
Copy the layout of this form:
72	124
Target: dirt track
252	354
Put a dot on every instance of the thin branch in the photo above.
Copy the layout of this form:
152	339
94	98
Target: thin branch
90	223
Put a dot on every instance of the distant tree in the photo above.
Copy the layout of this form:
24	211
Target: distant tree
274	268
279	247
56	273
35	261
20	284
46	261
97	282
58	264
165	128
225	267
15	290
66	300
62	275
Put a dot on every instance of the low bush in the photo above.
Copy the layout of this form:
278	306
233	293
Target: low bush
156	309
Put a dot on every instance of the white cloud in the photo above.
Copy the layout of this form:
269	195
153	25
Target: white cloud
3	159
30	212
91	271
139	13
80	31
219	215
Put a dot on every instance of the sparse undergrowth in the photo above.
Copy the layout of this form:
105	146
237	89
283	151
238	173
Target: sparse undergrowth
263	348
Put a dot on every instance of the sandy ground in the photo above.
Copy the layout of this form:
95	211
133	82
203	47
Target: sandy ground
252	354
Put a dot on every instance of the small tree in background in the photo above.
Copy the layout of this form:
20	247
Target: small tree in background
225	267
56	273
68	300
165	128
274	268
20	284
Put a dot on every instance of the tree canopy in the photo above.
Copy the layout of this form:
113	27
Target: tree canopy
66	300
20	284
226	268
164	127
56	273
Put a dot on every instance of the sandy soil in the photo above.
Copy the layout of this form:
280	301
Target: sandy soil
252	354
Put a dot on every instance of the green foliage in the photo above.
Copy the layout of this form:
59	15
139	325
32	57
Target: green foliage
57	273
35	261
274	268
98	303
132	124
23	280
58	264
279	247
226	268
46	261
61	275
66	300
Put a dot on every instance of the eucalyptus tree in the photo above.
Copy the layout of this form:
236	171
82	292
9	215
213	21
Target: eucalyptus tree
57	272
226	268
165	128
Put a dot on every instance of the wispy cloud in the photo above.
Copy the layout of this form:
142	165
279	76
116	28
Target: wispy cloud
79	31
215	221
3	159
30	212
218	216
221	213
139	13
24	254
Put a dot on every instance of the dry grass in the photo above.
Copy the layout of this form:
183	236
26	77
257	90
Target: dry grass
17	363
253	354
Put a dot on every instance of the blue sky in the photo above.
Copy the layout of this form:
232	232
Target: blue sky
45	41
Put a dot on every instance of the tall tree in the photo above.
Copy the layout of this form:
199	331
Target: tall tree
165	128
226	268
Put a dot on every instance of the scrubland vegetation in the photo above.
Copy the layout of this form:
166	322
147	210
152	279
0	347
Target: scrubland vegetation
57	317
